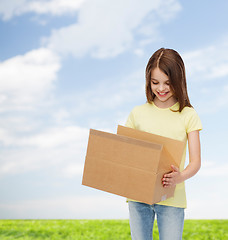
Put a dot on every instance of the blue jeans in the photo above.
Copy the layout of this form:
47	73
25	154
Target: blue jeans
170	221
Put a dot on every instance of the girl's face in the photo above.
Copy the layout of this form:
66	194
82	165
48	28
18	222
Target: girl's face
160	85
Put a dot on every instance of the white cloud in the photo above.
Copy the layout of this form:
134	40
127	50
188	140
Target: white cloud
107	30
54	7
60	147
55	137
222	99
213	169
30	147
209	62
72	170
204	68
26	79
106	97
16	123
54	160
103	29
9	9
214	98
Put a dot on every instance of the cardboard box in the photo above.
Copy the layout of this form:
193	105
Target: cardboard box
131	163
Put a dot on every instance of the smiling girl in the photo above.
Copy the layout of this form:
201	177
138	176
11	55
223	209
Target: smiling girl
168	113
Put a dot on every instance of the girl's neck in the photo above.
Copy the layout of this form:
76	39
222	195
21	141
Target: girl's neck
166	104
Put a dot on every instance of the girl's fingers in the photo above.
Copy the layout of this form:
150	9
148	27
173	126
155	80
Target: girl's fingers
168	175
176	169
166	182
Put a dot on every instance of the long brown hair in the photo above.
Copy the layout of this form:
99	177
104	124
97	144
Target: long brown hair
170	62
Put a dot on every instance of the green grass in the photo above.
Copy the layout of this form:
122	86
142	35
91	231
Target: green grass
101	230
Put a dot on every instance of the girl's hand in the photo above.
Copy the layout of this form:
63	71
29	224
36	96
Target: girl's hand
173	178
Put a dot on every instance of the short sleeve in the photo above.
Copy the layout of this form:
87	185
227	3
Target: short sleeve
193	121
130	121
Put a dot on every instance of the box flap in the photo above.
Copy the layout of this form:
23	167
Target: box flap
174	147
124	150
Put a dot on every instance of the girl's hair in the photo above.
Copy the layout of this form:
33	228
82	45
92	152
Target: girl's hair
169	62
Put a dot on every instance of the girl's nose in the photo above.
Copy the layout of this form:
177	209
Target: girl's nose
161	87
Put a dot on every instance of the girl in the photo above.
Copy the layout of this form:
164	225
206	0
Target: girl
168	113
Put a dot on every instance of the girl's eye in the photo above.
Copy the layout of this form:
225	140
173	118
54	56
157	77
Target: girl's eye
154	83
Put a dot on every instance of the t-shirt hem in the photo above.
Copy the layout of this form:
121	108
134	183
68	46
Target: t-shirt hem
160	203
192	130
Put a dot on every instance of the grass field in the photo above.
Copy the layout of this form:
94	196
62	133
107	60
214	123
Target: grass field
101	229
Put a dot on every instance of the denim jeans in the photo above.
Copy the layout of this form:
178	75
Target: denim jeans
170	221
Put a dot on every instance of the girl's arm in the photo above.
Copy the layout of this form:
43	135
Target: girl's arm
175	177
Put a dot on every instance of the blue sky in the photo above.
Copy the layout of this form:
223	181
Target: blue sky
68	66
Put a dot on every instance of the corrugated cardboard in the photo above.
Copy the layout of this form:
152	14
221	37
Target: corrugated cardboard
131	163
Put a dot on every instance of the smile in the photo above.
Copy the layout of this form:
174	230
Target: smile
162	94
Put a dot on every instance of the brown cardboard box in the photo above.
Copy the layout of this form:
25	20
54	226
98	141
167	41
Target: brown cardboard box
131	163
